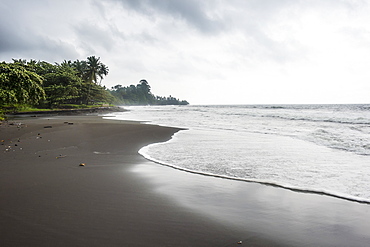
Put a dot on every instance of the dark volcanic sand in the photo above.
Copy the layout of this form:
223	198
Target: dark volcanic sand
47	199
120	199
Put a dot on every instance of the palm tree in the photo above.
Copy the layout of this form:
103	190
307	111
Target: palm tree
81	68
94	69
66	63
20	61
103	71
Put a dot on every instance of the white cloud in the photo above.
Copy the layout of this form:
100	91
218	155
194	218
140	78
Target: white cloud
218	52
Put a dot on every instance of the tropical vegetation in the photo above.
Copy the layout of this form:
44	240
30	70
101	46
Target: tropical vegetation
141	95
43	85
19	85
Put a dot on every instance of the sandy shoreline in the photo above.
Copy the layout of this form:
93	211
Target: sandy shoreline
121	199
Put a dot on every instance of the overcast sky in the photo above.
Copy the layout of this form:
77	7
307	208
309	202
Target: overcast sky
205	51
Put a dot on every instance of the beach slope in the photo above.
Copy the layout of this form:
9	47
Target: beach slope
49	199
79	181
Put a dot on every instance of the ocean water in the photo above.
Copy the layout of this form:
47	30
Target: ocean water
309	148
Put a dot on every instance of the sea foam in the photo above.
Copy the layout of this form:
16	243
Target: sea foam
316	149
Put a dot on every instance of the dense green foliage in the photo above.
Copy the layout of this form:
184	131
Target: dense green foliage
141	95
59	84
44	85
19	86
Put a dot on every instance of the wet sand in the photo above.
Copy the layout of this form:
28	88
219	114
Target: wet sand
120	199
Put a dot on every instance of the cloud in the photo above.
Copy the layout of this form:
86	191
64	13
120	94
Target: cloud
94	36
241	51
11	41
201	15
27	44
28	34
14	35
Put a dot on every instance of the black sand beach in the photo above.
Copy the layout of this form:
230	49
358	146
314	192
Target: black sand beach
120	199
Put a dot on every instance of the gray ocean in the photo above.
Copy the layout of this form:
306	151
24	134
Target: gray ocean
310	148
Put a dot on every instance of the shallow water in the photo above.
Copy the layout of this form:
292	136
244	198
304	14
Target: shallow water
295	219
320	148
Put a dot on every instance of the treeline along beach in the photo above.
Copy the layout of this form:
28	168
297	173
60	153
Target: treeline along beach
25	85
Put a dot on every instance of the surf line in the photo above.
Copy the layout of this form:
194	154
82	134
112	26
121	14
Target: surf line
272	184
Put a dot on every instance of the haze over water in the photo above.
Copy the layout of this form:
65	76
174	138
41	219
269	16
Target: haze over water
318	148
